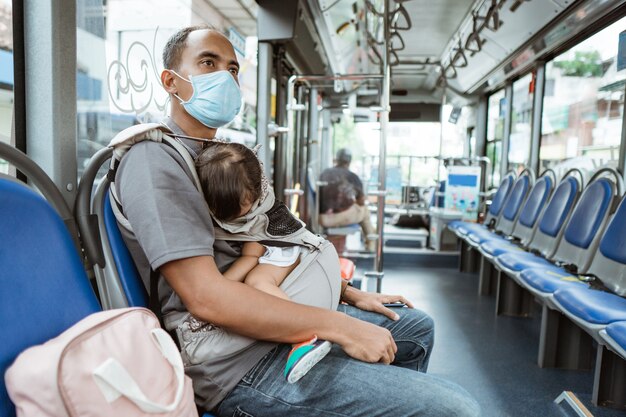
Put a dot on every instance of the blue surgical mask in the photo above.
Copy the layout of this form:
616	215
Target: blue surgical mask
216	98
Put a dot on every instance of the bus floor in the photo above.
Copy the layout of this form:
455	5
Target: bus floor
492	358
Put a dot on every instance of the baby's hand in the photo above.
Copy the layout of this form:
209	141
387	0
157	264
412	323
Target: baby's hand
253	249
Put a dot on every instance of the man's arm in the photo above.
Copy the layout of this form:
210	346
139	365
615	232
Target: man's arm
358	187
247	311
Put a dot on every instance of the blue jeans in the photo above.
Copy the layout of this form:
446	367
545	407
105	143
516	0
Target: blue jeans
341	386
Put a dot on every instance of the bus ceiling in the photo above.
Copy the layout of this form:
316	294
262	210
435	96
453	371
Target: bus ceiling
468	46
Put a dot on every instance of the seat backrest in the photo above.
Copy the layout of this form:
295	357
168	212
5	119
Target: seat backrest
44	287
589	219
119	283
551	223
609	262
534	205
514	202
497	203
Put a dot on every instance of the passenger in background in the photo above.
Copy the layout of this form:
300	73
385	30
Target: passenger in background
342	201
173	235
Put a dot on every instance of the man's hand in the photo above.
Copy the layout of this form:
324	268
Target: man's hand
374	302
369	343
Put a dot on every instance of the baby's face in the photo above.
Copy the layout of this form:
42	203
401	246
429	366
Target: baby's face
246	206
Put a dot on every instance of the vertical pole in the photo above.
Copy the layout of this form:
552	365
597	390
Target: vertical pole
19	70
504	158
18	125
440	160
263	104
324	152
382	169
281	115
50	37
622	147
481	137
310	214
535	138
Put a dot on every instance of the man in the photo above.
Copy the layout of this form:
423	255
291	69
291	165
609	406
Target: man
343	200
173	234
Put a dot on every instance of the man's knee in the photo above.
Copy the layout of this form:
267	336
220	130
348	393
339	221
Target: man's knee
419	321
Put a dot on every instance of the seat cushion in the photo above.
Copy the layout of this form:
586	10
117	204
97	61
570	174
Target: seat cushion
550	279
455	224
479	236
617	331
498	245
518	261
463	228
592	306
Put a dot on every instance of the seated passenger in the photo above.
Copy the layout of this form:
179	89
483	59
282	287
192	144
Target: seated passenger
173	235
342	201
241	201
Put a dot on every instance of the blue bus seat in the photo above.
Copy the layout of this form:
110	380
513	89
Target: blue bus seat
547	226
580	236
510	212
118	281
525	226
609	375
544	281
44	287
608	264
615	337
129	277
593	309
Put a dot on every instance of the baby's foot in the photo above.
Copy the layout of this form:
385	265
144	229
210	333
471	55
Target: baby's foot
304	356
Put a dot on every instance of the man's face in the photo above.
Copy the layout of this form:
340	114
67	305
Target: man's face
205	51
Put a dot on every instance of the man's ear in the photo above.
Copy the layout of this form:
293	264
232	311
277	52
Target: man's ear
167	80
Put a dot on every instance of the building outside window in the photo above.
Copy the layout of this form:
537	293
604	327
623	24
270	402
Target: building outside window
584	103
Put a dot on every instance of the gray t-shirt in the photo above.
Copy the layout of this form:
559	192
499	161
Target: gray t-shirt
171	221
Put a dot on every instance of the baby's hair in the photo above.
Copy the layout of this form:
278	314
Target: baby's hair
230	174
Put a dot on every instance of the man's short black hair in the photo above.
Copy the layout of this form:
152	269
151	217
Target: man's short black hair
175	45
343	157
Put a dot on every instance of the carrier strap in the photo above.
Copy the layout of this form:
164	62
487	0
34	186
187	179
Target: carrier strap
159	138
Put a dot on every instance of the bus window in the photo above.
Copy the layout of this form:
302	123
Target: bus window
119	62
495	134
584	102
6	75
521	122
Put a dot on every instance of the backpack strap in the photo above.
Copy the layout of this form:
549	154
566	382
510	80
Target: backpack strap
122	143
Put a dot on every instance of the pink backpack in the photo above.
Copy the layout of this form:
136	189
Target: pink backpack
112	363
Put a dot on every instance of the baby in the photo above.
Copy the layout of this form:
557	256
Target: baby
235	190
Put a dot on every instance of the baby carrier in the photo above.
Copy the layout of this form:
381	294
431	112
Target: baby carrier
269	222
